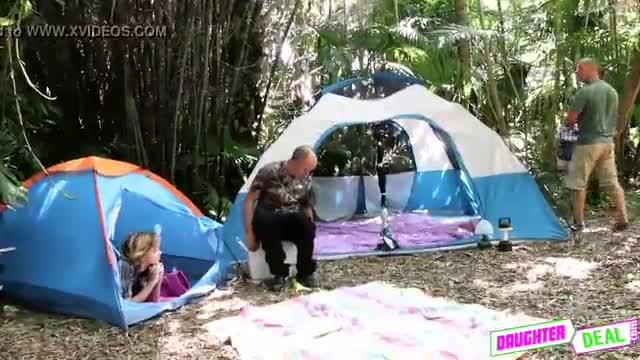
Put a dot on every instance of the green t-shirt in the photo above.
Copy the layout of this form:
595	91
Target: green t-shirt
597	105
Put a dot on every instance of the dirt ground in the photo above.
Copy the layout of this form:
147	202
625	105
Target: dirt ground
595	282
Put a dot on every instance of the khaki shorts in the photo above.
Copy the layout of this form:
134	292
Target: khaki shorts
586	159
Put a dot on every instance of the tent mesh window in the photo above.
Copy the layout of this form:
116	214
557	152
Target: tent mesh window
351	150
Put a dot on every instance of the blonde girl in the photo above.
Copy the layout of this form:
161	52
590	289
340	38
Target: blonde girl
141	271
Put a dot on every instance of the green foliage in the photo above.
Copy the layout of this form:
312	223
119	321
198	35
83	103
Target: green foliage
15	158
10	190
14	11
633	205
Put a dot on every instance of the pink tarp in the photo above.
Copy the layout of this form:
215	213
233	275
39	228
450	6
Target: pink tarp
372	321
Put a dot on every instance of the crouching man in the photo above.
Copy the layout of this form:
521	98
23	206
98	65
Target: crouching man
284	212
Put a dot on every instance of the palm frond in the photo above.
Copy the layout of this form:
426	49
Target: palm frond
432	32
11	192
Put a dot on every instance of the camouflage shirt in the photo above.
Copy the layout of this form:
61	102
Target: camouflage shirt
281	191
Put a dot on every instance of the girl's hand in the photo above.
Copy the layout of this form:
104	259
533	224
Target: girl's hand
157	272
160	271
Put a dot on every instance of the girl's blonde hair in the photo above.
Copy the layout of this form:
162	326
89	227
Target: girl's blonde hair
139	244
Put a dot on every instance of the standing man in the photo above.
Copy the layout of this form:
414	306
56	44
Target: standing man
594	110
284	212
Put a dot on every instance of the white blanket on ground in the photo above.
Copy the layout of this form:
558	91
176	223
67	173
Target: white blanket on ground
372	321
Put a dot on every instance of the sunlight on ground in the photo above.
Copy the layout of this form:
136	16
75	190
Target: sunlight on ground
518	286
213	308
628	243
538	271
482	283
219	301
565	267
530	286
599	229
175	340
182	340
634	286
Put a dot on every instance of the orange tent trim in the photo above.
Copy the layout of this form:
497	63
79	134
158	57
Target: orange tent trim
108	167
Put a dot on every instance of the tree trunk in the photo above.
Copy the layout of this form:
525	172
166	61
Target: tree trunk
631	89
549	124
201	108
274	65
250	15
132	113
613	21
464	49
492	87
175	125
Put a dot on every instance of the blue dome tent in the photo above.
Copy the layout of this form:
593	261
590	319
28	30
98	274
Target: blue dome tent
463	172
69	235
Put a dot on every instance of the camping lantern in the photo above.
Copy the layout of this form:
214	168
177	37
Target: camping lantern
504	224
485	230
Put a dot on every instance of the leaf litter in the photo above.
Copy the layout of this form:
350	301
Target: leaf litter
594	282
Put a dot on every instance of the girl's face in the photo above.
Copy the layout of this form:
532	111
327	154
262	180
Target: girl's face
152	257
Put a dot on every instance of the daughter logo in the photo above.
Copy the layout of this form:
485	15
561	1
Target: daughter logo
530	337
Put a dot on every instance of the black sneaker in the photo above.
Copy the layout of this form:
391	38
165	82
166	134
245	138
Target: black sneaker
310	281
276	284
577	228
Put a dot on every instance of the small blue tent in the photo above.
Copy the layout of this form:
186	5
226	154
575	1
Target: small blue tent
68	239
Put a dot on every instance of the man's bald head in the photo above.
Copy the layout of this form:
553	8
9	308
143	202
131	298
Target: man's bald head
587	70
303	161
302	152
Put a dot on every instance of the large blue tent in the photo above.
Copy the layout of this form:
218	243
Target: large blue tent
461	169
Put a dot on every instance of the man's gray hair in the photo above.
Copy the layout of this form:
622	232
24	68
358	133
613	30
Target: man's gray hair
302	152
588	61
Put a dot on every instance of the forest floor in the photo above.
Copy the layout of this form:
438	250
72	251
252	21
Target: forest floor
595	282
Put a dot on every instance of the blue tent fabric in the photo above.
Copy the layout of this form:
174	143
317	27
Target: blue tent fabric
383	79
68	240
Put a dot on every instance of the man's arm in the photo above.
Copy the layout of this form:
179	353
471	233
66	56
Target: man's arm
309	202
249	208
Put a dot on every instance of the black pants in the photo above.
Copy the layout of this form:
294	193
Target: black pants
272	227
